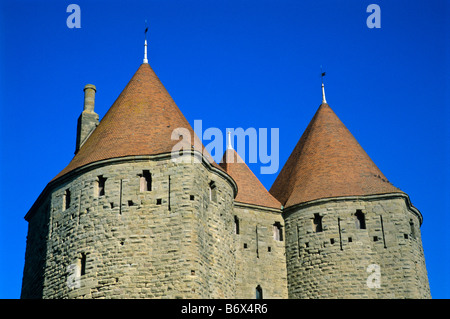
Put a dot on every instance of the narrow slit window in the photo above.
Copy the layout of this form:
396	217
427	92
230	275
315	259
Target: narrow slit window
277	231
213	192
66	199
411	226
259	292
145	181
236	225
168	196
83	264
317	223
360	220
101	185
257	242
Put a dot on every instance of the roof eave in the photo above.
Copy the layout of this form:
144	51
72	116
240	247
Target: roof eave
289	209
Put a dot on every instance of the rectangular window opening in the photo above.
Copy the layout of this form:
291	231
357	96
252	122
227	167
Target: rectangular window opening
411	226
212	192
259	292
66	199
360	219
317	223
145	181
101	185
83	264
277	231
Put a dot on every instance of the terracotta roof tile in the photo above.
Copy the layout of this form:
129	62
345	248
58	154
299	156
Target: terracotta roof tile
250	189
140	122
328	162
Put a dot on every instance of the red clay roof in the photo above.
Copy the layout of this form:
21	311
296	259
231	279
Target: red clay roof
328	162
250	189
140	122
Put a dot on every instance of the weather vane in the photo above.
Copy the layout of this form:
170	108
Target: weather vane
146	29
324	101
145	43
322	73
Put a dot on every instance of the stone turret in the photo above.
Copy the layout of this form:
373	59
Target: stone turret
258	234
125	219
349	232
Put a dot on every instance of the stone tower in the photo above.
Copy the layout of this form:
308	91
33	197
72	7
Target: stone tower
349	232
125	219
258	233
143	211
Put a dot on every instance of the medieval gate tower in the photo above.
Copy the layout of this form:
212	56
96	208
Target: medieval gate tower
126	220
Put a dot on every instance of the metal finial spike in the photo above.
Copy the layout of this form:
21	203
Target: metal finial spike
145	52
229	147
324	101
145	43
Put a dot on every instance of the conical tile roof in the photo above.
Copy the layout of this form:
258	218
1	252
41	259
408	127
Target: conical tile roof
328	162
250	189
140	122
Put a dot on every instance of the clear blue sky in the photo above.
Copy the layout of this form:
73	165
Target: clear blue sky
231	64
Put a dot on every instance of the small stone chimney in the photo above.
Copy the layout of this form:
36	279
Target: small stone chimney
88	120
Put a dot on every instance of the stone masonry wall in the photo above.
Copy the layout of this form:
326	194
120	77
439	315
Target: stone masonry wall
36	252
179	240
260	254
128	243
384	260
